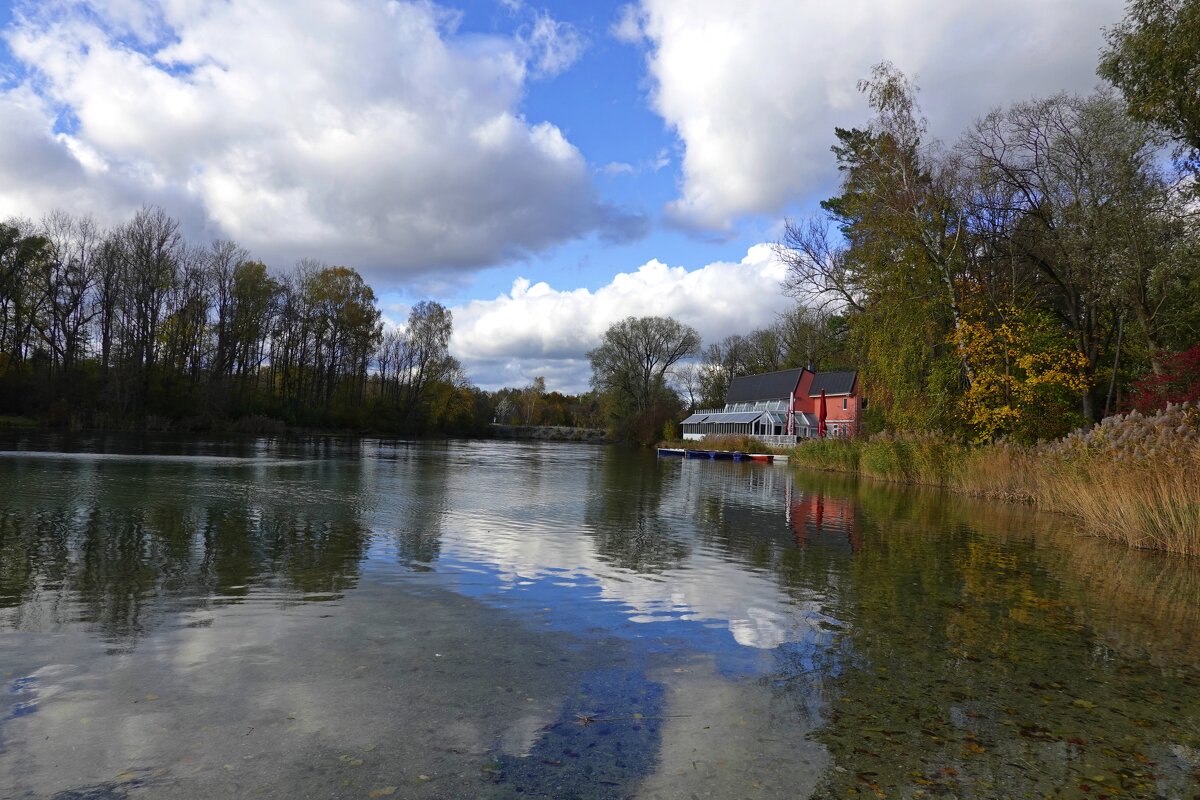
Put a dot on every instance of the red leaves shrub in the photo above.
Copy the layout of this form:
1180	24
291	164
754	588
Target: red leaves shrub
1179	382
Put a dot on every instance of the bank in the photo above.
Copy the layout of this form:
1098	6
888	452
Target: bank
1130	479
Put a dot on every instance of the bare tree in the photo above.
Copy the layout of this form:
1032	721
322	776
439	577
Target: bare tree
632	360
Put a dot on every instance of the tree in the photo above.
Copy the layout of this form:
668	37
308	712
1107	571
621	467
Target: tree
635	354
1077	207
629	369
1178	382
686	379
152	248
1027	375
1153	57
414	358
70	271
23	254
531	399
898	271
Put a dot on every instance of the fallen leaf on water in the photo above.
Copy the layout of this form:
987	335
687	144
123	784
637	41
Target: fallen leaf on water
1083	703
128	775
386	791
151	697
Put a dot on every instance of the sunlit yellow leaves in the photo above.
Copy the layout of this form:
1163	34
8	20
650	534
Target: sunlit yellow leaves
1025	376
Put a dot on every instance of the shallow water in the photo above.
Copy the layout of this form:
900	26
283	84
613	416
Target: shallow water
362	618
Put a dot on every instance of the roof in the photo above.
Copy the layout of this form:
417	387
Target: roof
734	417
724	417
833	383
807	420
765	386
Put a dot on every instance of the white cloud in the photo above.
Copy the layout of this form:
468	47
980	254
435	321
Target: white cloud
754	89
535	329
367	133
553	45
618	168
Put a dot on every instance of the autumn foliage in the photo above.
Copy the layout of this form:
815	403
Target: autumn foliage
1178	382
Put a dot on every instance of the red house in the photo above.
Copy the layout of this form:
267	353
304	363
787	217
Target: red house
784	406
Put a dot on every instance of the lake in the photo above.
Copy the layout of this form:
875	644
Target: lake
334	617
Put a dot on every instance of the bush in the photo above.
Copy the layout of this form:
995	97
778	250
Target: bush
1178	383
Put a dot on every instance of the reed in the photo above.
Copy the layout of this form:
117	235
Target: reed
1132	479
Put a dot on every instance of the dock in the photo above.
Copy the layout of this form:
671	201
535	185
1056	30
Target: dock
721	455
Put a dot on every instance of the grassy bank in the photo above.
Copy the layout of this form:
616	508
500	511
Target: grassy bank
1132	478
732	444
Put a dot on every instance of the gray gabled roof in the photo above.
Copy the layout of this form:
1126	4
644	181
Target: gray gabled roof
765	386
832	383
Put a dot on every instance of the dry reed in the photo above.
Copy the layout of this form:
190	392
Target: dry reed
1133	478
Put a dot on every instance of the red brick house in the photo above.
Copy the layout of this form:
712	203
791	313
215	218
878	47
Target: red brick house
784	406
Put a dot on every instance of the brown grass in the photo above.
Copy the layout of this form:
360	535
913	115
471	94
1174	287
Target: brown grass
1145	506
1134	479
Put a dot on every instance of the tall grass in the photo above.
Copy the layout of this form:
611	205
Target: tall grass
733	444
1133	478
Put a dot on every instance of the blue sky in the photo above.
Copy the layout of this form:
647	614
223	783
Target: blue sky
544	168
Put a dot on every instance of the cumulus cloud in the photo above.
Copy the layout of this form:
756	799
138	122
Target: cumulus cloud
370	133
535	329
754	89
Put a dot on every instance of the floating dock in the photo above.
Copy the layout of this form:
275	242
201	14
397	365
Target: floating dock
721	455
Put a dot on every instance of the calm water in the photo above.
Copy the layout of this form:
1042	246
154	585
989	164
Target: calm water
343	618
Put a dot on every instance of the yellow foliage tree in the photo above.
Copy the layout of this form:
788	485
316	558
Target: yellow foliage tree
1027	378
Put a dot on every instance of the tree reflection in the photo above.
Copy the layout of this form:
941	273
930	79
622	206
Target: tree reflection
421	479
623	514
969	669
123	546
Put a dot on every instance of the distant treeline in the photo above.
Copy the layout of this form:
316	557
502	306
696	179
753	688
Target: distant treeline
134	325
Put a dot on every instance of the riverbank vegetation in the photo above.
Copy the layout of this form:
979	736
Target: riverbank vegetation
1132	478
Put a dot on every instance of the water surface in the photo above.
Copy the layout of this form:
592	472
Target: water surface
362	618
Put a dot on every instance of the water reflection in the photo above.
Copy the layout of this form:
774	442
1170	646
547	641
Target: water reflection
121	545
567	621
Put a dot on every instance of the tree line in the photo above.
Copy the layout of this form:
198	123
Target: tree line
135	325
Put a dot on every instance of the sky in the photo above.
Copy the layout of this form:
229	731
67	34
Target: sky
544	169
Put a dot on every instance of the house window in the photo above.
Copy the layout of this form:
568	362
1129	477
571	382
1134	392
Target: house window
843	404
